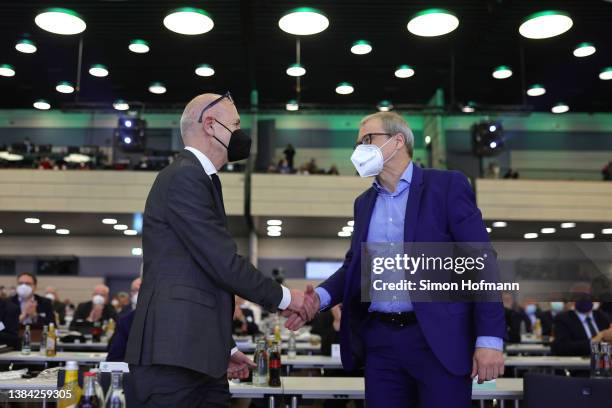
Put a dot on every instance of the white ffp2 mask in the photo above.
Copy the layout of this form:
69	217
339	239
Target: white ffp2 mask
368	159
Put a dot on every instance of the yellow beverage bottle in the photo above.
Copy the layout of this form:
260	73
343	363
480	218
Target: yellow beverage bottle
70	394
51	341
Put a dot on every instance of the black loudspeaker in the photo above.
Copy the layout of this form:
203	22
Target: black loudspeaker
487	138
266	144
130	134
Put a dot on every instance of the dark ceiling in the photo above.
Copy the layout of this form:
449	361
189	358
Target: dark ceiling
248	51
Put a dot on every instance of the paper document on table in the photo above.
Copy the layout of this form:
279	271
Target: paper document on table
487	385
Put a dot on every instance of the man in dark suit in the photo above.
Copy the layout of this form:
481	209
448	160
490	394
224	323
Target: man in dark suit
180	347
9	324
118	343
513	319
35	310
96	310
58	306
414	351
575	329
134	289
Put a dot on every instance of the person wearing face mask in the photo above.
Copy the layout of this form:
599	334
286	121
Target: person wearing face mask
36	311
58	307
134	288
93	311
575	329
547	317
411	351
180	348
529	314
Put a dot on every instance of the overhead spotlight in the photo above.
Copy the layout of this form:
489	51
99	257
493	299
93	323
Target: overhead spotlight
109	221
32	220
487	138
606	74
121	105
584	50
351	223
548	230
296	70
65	87
7	70
292	105
274	233
130	134
361	47
427	140
204	70
566	225
98	70
60	21
41	104
344	88
137	251
130	232
536	90
433	22
502	72
344	234
62	231
274	228
489	230
404	71
560	108
545	24
48	226
500	224
26	46
587	235
1	231
274	222
470	107
531	235
606	231
139	46
348	228
189	21
303	21
157	88
384	106
120	227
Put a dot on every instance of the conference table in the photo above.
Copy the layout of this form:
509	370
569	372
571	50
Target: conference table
301	348
34	357
533	349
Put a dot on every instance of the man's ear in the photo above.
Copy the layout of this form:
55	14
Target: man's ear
402	140
207	124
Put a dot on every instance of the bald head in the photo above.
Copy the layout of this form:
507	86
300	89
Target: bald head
101	290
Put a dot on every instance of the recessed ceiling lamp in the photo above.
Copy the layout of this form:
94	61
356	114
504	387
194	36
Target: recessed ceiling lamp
60	21
545	24
204	70
404	71
121	105
98	70
64	87
536	90
189	21
606	74
296	70
584	50
7	70
344	88
433	22
139	46
502	72
157	88
303	21
384	106
292	105
560	108
41	104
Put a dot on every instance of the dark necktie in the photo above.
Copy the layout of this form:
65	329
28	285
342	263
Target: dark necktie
591	326
217	183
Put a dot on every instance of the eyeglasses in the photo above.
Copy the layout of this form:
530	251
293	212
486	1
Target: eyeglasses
367	138
213	103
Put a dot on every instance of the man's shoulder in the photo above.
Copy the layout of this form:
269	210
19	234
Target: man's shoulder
42	300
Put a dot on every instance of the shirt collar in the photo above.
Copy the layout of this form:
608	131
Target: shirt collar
209	168
583	316
403	183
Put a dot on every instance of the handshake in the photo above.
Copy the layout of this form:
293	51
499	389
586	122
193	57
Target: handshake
302	309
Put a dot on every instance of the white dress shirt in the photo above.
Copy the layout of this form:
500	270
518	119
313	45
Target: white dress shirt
210	169
583	317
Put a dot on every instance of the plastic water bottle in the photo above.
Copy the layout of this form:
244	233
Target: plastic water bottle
292	352
26	346
115	397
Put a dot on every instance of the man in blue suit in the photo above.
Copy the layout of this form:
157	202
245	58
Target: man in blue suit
414	352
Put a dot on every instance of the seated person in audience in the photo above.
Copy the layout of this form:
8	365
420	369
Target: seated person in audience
529	313
124	301
118	343
513	319
244	319
59	308
283	167
35	310
133	299
575	329
333	170
96	310
327	325
9	324
547	317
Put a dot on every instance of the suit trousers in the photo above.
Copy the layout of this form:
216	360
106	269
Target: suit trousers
168	386
401	370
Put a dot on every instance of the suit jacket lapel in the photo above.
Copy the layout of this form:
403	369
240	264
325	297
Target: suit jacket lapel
414	201
218	202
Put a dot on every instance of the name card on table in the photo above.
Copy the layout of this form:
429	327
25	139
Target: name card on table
335	350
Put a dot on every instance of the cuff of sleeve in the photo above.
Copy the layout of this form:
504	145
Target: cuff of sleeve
234	351
324	297
490	342
286	300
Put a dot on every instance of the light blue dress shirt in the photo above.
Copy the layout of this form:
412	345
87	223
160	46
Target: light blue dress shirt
387	225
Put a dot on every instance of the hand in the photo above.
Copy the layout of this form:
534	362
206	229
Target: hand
311	305
488	364
239	365
604	335
30	307
95	314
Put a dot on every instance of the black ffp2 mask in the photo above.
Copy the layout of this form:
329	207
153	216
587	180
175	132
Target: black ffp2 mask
239	146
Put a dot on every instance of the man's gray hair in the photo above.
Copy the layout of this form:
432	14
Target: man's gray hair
393	124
